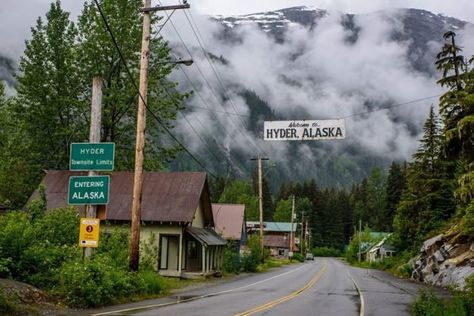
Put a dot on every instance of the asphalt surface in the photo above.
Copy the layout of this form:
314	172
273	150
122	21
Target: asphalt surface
324	286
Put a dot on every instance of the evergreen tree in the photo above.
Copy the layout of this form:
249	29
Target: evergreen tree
396	181
283	211
428	198
50	105
99	56
241	192
457	112
375	199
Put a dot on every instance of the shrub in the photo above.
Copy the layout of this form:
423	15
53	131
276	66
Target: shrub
428	304
58	227
298	257
40	264
253	257
115	244
15	237
152	282
96	282
3	301
231	262
149	253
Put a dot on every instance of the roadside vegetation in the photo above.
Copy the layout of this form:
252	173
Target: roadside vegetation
251	260
462	303
41	249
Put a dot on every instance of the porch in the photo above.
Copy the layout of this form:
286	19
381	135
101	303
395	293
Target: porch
197	252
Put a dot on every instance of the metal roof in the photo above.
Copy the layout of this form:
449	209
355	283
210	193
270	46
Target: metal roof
229	220
166	197
206	236
283	227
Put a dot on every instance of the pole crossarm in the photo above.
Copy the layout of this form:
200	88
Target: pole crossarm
166	8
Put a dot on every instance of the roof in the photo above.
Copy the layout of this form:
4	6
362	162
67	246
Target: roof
166	196
229	220
383	243
206	236
274	226
278	241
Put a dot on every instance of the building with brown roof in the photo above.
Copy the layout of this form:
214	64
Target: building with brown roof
229	222
175	210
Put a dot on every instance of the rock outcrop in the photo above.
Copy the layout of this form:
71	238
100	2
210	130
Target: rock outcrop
445	260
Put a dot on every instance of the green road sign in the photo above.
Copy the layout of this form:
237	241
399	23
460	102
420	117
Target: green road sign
89	190
92	156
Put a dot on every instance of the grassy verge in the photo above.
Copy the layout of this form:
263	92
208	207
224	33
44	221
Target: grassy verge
428	304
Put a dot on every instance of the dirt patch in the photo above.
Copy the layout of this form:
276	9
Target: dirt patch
23	299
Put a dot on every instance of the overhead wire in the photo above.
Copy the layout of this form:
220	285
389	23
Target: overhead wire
202	45
109	30
251	141
391	106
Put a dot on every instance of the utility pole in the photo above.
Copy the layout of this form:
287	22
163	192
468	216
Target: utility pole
141	124
291	227
360	228
301	233
94	137
260	200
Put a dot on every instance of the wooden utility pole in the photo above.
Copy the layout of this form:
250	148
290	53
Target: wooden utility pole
140	141
291	227
141	124
301	233
260	200
94	137
360	228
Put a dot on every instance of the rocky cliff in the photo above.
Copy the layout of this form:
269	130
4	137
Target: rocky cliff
445	260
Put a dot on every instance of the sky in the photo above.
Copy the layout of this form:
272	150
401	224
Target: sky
17	16
463	9
339	80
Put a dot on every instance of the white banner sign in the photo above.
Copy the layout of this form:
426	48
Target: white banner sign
304	130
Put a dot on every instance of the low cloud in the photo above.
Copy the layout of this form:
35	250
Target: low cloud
322	73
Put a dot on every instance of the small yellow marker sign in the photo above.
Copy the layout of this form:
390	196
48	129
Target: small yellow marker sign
89	232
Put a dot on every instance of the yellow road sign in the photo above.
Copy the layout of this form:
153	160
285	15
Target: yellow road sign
89	232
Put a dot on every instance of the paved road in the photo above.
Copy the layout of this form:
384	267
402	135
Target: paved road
323	287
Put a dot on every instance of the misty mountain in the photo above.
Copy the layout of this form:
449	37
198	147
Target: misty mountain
398	43
306	63
421	28
7	71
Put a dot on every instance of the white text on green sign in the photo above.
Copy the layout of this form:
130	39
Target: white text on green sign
89	190
92	156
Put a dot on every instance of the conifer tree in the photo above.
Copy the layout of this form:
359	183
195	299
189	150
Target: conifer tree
50	100
99	56
396	181
457	112
428	198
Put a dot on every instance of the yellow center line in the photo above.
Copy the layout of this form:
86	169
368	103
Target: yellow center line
283	299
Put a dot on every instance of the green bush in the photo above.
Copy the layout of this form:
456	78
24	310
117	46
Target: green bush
96	282
298	257
153	283
40	264
326	252
115	244
16	236
4	307
231	263
428	304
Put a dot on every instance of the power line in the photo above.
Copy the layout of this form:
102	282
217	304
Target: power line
109	30
252	141
391	106
200	41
